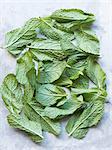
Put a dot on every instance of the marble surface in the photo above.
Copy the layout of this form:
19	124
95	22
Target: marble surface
13	13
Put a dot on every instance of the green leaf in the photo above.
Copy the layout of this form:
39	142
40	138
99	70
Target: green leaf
87	41
81	82
34	112
22	36
51	71
64	80
46	27
76	57
71	26
31	75
90	117
95	73
61	102
44	50
12	94
24	64
72	121
45	44
48	94
48	49
33	128
91	94
75	70
83	90
39	55
66	15
68	108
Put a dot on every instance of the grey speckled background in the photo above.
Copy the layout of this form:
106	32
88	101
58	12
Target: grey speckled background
14	13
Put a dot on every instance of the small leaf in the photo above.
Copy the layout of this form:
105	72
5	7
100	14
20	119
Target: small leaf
24	64
95	73
75	70
81	82
45	44
31	75
33	128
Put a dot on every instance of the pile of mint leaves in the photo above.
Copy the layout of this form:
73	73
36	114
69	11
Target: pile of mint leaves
57	75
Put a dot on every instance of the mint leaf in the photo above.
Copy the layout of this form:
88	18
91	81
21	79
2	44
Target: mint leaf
51	71
67	15
21	37
69	107
24	64
90	117
48	94
12	93
46	27
95	73
33	128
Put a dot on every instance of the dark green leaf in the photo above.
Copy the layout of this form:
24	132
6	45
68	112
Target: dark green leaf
81	82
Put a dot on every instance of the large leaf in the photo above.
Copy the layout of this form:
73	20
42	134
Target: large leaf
87	41
46	27
71	26
45	44
33	128
48	94
34	110
66	15
90	117
12	94
51	71
68	108
49	49
95	73
24	64
44	50
22	36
